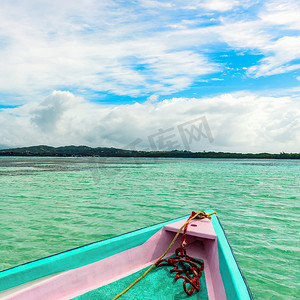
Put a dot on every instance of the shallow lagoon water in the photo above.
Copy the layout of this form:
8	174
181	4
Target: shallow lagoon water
49	205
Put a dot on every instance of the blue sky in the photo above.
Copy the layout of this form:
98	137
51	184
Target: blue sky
119	53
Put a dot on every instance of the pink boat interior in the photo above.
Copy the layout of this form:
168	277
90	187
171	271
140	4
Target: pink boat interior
80	282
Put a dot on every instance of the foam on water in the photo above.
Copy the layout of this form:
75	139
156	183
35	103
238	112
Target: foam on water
53	204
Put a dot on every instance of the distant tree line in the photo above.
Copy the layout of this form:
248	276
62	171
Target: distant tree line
69	151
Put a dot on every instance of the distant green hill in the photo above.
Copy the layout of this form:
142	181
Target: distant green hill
68	151
43	150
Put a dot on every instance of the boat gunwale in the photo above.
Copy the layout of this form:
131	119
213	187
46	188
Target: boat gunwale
34	264
235	259
85	245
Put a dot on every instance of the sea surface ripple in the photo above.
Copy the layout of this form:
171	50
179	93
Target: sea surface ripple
49	205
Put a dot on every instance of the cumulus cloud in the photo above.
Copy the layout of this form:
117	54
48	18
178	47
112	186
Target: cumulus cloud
48	114
240	122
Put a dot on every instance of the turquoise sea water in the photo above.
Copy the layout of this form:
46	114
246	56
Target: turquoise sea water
53	204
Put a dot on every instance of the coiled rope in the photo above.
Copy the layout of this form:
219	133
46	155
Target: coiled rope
199	215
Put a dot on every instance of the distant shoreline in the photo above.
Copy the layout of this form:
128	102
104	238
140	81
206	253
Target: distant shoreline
84	151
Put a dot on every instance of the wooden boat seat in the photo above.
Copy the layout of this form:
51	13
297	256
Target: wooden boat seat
198	228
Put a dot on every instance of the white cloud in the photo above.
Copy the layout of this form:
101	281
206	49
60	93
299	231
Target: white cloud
282	13
240	122
152	98
242	35
136	49
285	50
91	45
213	5
273	33
277	29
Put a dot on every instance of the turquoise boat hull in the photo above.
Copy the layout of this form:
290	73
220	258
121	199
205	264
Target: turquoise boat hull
40	275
